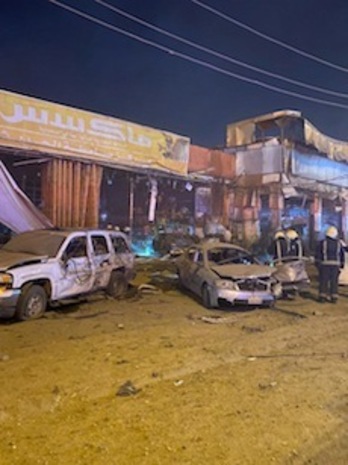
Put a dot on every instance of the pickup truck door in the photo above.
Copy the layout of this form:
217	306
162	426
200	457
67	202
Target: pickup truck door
76	270
122	257
101	259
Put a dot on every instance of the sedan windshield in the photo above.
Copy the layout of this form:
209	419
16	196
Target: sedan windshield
224	255
41	243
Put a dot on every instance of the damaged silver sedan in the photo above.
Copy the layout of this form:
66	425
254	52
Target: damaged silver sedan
224	274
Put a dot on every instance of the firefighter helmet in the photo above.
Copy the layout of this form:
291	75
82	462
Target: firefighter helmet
332	232
291	234
279	235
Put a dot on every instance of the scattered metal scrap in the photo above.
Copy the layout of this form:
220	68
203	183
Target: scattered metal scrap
127	389
148	289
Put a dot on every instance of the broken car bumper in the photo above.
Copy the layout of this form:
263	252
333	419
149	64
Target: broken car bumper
8	302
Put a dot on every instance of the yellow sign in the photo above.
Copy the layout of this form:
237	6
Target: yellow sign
31	124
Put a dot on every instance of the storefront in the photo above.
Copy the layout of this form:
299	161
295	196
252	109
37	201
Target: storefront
83	169
290	175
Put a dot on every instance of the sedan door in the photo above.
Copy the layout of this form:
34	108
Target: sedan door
198	272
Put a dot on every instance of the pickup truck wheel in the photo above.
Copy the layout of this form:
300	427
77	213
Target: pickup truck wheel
118	285
32	303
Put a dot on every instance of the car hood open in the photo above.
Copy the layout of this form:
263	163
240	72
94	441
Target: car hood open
243	271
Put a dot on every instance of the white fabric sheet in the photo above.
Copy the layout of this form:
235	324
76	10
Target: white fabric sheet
17	211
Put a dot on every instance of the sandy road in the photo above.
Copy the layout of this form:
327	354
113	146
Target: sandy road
256	387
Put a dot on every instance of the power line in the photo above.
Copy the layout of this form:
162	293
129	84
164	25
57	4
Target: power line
192	59
269	38
217	54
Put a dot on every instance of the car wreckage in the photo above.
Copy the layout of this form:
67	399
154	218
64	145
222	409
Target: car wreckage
222	274
44	267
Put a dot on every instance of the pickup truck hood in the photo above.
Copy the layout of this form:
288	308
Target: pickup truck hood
10	260
241	271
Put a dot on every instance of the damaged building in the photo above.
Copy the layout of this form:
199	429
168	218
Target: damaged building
288	175
82	169
74	168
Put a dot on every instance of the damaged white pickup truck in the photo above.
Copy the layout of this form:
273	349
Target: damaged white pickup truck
43	267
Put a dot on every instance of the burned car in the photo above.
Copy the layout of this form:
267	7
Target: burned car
224	274
292	273
48	266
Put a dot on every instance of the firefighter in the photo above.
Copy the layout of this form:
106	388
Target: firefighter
295	246
329	259
279	247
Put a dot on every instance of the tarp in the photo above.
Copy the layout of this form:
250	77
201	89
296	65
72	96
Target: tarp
319	169
332	148
17	212
32	124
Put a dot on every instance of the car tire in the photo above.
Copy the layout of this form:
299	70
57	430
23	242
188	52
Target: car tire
206	298
118	285
32	303
180	281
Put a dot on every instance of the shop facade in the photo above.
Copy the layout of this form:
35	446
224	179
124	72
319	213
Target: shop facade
290	175
87	170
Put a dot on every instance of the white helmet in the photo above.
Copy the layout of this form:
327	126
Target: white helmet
291	234
332	232
279	235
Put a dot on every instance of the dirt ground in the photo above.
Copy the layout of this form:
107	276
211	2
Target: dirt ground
256	387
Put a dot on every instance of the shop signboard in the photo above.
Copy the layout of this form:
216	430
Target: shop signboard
36	125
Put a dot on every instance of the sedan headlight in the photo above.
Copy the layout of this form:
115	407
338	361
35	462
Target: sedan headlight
292	274
277	290
6	280
226	284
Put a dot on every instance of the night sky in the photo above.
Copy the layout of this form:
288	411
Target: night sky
52	54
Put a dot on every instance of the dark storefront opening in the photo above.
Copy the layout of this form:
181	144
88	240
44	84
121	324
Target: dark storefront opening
296	215
114	199
331	214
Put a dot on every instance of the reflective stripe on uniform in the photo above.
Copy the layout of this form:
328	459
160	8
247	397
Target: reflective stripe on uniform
325	260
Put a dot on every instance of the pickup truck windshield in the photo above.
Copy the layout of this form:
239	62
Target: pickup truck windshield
41	243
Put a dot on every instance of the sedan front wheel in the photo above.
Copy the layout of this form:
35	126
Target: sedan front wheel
206	297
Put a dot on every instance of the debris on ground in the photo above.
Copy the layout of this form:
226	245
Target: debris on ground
127	389
148	289
212	319
179	382
164	275
270	385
